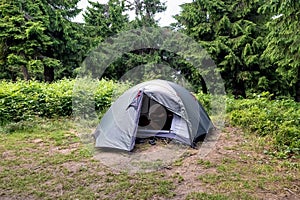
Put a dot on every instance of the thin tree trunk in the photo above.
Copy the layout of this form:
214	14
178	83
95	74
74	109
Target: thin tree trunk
25	73
203	85
48	74
298	90
239	89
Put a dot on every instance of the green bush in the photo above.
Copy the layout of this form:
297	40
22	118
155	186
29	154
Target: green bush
279	119
24	100
205	100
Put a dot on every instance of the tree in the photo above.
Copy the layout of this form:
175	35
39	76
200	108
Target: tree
105	20
22	40
232	32
69	42
39	38
145	11
283	42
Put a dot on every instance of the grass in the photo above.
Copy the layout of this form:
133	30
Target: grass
205	196
206	163
250	172
44	159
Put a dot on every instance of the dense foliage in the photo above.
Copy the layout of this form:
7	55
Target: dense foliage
39	41
253	43
276	119
283	42
254	50
25	100
105	20
279	120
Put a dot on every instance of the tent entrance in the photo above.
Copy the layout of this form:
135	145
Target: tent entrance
154	119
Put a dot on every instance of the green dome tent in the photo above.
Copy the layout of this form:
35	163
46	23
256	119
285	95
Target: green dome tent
153	108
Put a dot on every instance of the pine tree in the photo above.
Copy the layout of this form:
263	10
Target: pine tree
69	43
283	42
231	32
145	11
39	38
23	41
105	20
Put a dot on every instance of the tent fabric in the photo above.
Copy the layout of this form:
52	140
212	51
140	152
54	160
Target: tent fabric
119	127
180	127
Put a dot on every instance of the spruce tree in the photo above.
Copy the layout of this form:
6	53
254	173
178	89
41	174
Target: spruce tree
105	20
145	11
23	40
39	39
231	31
283	40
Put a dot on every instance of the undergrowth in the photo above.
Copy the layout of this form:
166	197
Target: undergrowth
279	120
25	100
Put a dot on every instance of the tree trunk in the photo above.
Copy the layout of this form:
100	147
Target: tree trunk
203	85
48	74
298	90
239	89
25	73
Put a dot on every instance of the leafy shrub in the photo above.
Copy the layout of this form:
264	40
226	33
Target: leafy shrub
23	100
205	100
279	119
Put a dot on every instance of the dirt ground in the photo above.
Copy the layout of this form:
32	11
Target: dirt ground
188	164
229	163
229	145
